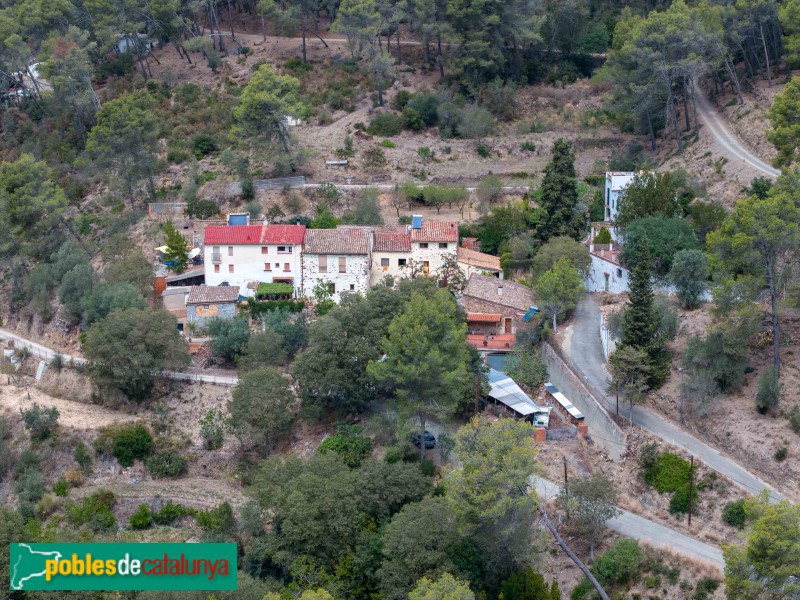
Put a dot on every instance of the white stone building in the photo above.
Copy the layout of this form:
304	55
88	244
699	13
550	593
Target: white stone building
431	241
391	252
340	257
471	261
606	273
244	255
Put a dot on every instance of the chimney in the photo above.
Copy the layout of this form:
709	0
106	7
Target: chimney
416	221
499	290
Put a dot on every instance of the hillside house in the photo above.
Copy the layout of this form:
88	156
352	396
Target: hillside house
495	309
243	256
391	252
340	257
472	261
606	273
208	302
431	241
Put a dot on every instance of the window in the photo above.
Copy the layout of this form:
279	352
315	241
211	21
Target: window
323	264
277	266
384	262
205	306
332	288
286	267
284	249
423	245
230	268
264	250
230	250
267	267
401	262
443	245
352	287
342	264
619	272
216	268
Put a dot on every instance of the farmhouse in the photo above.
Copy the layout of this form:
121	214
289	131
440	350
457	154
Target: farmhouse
495	309
208	302
338	257
391	252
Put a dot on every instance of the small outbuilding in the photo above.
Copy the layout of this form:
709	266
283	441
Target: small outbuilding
206	302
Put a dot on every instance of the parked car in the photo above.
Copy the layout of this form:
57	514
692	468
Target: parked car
430	440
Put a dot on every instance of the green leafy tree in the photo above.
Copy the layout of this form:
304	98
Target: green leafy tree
762	566
548	255
31	204
590	502
132	268
760	239
261	409
125	139
177	249
648	195
603	236
40	421
769	391
785	132
105	298
446	587
262	114
529	585
349	443
358	20
640	326
789	13
367	210
128	348
263	349
559	195
292	328
629	374
229	337
664	238
524	365
212	429
75	285
417	543
425	358
559	289
689	275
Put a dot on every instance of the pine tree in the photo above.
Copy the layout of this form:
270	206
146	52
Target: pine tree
560	194
177	252
640	326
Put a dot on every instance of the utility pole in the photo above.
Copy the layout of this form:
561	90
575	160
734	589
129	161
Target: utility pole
691	487
566	485
681	370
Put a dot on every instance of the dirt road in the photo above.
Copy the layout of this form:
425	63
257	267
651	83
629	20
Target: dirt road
729	143
585	350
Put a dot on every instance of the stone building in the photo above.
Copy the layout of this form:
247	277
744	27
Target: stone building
339	257
208	302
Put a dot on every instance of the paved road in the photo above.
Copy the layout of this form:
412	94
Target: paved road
586	352
46	353
639	528
728	141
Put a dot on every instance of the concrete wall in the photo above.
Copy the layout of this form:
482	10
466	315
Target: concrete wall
200	316
249	263
618	278
602	428
354	279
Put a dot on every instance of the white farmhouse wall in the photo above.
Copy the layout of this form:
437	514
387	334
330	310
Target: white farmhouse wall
355	279
468	270
378	272
618	278
433	254
249	265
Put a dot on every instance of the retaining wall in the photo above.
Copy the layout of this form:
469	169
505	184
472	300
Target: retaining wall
602	428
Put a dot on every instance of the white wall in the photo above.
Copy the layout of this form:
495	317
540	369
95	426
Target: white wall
618	278
357	274
377	272
433	254
248	266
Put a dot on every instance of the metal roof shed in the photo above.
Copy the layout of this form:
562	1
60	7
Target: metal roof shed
506	391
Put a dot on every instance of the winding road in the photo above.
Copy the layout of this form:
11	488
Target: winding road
729	143
585	351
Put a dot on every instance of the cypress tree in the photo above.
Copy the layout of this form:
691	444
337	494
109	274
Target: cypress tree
640	326
560	194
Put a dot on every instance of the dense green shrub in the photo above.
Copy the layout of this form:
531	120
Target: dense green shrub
679	503
94	511
400	100
426	105
40	421
166	464
203	145
212	429
60	488
385	124
125	443
603	236
201	209
219	520
734	513
705	588
619	564
781	454
171	512
142	518
412	119
669	474
349	443
388	144
794	418
83	457
769	390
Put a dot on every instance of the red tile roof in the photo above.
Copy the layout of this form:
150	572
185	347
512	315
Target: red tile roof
478	259
345	240
392	242
436	231
255	234
483	318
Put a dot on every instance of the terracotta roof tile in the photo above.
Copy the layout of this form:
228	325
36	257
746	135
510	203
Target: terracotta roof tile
514	295
255	234
483	318
209	294
436	231
392	242
346	240
478	259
